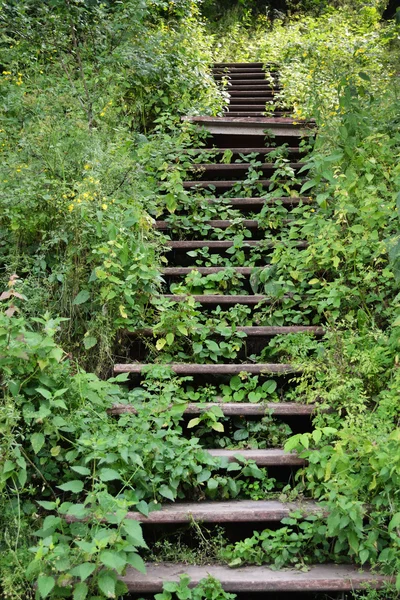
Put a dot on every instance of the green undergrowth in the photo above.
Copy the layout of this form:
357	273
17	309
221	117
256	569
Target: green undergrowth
92	152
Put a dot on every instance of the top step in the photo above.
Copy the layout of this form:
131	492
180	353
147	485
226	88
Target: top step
240	65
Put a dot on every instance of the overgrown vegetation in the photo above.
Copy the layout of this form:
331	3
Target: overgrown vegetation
92	151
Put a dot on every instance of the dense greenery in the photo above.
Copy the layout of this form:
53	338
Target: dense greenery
92	95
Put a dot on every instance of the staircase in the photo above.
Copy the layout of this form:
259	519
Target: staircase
242	132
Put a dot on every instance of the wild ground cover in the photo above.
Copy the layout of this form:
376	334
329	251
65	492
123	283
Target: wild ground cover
92	151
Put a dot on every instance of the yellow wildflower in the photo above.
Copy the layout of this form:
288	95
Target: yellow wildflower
71	207
86	167
104	206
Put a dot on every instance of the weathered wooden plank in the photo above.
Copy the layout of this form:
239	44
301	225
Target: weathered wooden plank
231	409
223	244
319	578
237	511
250	331
220	299
220	224
241	166
280	126
225	184
219	369
273	457
176	271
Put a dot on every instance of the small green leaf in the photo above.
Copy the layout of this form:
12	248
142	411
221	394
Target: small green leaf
134	530
75	486
83	571
37	441
218	427
203	476
106	582
212	484
45	393
45	585
89	342
80	591
160	343
193	423
137	562
81	470
166	492
112	560
170	338
108	474
82	297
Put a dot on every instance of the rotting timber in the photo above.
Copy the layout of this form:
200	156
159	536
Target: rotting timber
252	88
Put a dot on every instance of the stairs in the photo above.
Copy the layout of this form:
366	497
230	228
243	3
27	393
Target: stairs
244	130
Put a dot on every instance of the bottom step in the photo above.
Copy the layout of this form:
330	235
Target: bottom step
320	578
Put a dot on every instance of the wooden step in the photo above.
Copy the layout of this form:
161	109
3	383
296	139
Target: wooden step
226	184
239	65
237	167
237	151
179	271
213	369
246	107
273	457
255	92
241	76
318	578
220	299
232	409
233	113
243	81
278	126
235	511
224	244
257	202
217	223
250	331
238	70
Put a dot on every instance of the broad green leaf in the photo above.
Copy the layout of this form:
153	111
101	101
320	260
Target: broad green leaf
112	560
203	476
82	297
106	582
137	562
45	585
133	529
83	571
170	338
45	393
37	441
46	504
89	342
218	427
80	591
160	343
75	486
212	484
193	423
166	492
107	474
81	470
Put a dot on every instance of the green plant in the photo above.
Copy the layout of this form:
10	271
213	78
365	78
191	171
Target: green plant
208	589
